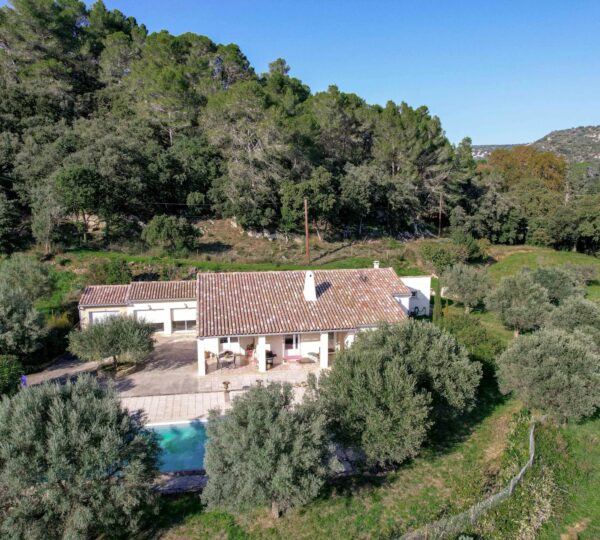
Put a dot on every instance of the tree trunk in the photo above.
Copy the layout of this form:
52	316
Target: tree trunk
517	332
317	229
115	362
275	510
85	227
440	215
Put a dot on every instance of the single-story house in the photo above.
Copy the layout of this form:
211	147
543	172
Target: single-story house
284	315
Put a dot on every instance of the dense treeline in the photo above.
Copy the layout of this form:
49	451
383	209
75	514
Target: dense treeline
105	126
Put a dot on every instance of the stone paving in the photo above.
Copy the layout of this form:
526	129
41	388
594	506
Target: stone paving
168	389
172	369
62	370
186	407
177	407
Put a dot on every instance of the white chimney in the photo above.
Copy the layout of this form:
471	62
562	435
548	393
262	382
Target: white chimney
375	264
310	290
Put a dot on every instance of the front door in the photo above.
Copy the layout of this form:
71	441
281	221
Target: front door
291	345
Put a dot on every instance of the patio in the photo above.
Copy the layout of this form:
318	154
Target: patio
173	369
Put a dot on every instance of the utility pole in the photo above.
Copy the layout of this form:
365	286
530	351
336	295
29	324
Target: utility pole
306	230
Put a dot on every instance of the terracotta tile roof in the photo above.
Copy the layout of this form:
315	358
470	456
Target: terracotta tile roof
104	295
140	291
246	303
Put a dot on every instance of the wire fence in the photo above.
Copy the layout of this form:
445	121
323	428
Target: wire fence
452	526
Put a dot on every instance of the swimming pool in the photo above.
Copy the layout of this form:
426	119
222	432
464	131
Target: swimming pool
182	446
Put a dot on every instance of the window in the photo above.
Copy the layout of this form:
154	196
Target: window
228	340
183	326
291	342
413	293
158	327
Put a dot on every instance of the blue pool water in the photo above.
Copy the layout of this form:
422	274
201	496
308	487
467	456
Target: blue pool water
182	446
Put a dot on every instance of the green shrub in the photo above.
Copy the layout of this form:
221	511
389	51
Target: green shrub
171	234
384	393
437	301
443	255
10	374
468	242
265	451
109	272
56	340
479	342
74	464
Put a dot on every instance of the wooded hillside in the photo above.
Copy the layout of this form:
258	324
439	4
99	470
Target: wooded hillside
109	130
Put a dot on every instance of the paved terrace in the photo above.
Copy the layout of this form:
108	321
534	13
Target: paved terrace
168	389
173	369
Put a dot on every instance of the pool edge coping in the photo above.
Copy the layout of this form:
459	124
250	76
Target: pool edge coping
176	422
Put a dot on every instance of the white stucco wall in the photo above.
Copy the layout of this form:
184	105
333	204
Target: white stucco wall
275	345
86	314
163	311
211	345
422	286
309	343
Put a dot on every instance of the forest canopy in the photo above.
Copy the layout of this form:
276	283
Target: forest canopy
104	126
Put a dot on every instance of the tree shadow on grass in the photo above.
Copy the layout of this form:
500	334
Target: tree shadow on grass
173	511
349	486
451	431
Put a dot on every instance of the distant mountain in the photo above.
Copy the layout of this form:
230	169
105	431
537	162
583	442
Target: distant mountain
576	145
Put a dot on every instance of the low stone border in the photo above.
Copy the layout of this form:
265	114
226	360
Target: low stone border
181	482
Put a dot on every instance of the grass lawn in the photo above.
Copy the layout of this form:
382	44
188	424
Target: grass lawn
439	482
512	259
81	256
578	516
64	283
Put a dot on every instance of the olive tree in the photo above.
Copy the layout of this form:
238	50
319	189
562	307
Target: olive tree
521	303
26	274
467	285
22	327
555	371
559	282
265	451
124	339
8	222
385	392
576	313
73	463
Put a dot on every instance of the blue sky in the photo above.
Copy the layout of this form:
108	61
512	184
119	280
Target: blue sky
500	71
